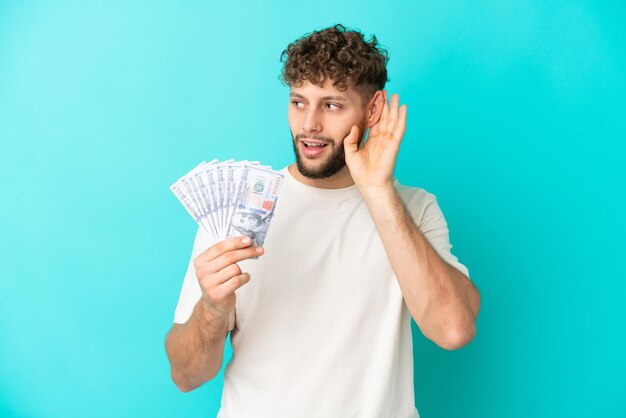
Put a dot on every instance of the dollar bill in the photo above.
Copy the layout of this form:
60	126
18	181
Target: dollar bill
230	198
257	196
184	191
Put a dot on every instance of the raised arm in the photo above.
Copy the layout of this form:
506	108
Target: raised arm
441	299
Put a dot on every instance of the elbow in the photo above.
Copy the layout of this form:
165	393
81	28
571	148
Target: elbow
463	332
460	328
183	387
187	382
458	337
184	384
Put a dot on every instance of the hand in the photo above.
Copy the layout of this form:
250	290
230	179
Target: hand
219	275
371	166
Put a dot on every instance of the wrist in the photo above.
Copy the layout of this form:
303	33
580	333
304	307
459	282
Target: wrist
378	192
210	313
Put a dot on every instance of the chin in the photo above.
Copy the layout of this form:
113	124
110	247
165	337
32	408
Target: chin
320	170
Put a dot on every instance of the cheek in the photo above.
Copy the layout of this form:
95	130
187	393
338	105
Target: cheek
293	113
347	124
293	119
351	119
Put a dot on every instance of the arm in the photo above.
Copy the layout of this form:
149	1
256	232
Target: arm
195	349
441	299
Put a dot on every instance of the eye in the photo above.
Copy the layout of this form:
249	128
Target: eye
296	103
337	107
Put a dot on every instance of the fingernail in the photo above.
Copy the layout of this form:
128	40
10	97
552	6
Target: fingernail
259	250
246	240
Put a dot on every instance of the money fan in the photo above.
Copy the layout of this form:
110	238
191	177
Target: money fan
231	198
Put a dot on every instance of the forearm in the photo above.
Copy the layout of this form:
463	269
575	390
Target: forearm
195	349
441	299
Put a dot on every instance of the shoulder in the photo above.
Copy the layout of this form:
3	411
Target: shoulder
413	194
417	200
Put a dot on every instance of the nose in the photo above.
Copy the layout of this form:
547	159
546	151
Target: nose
311	122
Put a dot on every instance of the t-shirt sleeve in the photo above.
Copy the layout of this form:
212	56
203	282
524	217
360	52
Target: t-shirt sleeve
190	293
431	222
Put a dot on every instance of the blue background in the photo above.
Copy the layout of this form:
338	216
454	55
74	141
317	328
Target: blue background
516	122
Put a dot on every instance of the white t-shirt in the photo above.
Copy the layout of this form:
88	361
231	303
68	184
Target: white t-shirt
321	330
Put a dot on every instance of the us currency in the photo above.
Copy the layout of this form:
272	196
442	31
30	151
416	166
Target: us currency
211	178
208	208
230	198
184	192
256	200
221	193
237	172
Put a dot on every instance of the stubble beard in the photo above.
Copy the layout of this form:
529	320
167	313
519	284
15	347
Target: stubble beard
331	165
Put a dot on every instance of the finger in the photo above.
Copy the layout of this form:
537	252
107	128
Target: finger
222	247
384	117
398	134
393	113
350	142
234	256
373	131
231	285
222	276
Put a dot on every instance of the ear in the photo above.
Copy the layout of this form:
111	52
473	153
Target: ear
374	108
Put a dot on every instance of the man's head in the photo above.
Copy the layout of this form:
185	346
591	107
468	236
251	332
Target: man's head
336	78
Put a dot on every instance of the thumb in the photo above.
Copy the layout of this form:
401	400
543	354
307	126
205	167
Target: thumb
350	141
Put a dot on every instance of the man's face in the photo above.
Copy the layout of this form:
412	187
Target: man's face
319	119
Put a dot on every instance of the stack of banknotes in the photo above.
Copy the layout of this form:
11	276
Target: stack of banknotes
231	198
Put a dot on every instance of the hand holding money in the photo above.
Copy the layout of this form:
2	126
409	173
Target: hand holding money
219	274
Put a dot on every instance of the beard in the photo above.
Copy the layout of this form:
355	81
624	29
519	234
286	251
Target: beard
332	164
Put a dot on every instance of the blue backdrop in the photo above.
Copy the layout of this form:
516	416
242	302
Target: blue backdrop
516	122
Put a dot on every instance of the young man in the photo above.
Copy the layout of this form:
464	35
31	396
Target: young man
320	322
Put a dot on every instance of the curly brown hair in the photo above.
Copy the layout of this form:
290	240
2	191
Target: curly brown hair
342	55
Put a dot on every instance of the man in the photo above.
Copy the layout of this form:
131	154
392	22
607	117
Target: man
320	322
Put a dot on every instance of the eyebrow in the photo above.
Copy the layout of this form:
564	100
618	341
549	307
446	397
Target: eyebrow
337	98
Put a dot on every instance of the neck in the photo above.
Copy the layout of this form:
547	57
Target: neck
338	180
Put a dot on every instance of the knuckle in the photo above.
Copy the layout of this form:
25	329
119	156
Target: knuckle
204	282
234	270
213	294
242	278
230	257
220	247
239	278
203	271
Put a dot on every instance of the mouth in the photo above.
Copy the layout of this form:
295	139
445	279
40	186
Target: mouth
312	148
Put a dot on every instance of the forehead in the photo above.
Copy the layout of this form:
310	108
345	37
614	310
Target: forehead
311	91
